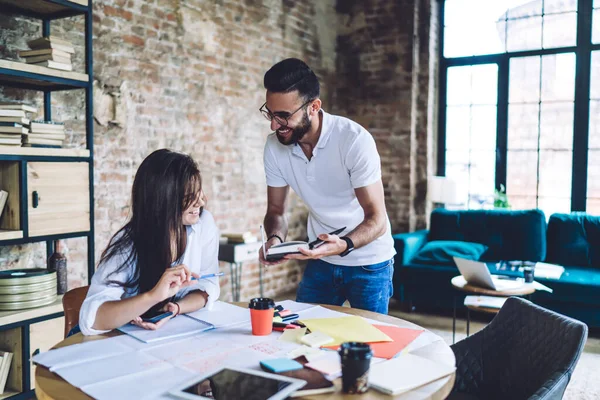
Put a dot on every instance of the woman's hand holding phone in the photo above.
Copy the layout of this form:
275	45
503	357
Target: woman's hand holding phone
171	281
165	313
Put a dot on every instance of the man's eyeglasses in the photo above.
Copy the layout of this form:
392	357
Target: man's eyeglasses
282	117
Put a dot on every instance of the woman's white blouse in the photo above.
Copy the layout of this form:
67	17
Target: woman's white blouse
200	256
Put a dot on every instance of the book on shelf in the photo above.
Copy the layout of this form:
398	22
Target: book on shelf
18	120
41	41
12	113
54	136
13	129
40	52
5	368
53	125
246	237
55	65
10	142
42	146
9	135
48	57
45	43
3	198
18	106
54	142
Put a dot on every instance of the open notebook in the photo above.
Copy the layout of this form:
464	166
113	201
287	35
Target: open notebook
219	316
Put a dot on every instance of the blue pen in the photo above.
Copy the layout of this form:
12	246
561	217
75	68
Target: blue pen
208	276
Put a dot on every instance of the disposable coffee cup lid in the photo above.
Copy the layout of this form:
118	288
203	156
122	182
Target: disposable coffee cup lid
356	350
261	303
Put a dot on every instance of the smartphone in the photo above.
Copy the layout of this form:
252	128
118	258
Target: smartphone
154	316
318	242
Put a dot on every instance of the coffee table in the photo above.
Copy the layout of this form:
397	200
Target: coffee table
459	283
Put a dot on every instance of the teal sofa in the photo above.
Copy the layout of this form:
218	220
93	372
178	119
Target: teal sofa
424	265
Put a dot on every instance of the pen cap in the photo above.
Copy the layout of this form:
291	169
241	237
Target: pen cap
261	303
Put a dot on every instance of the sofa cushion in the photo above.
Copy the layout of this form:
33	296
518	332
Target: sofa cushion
509	235
442	251
574	239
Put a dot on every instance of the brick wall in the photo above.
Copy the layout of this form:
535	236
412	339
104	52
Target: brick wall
187	75
388	84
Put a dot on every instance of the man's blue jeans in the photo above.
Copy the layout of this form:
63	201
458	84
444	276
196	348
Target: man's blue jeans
368	287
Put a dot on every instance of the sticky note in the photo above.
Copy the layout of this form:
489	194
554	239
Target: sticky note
293	335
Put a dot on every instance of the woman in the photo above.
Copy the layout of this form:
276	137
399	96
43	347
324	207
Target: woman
149	263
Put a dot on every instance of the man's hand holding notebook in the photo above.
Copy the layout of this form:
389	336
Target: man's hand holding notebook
279	251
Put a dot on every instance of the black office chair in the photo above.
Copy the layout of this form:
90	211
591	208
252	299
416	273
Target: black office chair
526	352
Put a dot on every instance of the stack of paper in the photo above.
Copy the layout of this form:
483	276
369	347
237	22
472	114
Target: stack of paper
549	271
405	373
485	301
346	329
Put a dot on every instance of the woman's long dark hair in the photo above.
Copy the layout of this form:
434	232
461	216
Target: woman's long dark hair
165	185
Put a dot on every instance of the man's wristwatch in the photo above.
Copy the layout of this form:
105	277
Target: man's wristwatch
350	245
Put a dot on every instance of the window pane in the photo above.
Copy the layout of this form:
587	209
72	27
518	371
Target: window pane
525	9
483	128
594	141
521	173
458	122
523	126
593	207
524	34
593	184
484	84
560	30
480	30
596	26
483	172
556	126
595	77
457	166
477	84
524	85
557	6
555	173
558	77
551	205
522	202
459	86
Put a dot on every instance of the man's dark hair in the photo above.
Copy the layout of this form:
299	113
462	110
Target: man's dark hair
292	74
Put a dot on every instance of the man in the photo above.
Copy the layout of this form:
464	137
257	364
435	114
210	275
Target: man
332	163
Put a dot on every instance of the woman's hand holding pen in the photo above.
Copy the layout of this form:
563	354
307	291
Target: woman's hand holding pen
333	246
171	281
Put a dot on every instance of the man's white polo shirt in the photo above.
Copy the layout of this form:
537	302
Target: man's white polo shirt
344	159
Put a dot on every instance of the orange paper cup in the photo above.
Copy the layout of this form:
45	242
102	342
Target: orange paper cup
261	315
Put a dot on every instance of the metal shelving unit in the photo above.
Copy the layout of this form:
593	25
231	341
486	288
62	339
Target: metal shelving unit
17	325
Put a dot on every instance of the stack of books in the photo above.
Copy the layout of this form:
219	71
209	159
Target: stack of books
45	134
4	368
246	237
50	52
14	121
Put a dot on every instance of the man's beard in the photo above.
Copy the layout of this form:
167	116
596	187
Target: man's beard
297	133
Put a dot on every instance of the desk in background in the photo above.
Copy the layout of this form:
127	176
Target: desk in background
235	254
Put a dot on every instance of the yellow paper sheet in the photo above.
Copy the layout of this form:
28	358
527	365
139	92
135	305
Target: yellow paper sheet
292	335
346	329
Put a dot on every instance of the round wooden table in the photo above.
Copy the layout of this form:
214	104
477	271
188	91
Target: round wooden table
459	283
49	386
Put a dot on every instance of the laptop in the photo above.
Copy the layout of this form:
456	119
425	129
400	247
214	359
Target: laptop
477	274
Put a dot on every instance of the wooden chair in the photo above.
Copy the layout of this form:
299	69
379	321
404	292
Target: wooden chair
72	301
